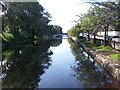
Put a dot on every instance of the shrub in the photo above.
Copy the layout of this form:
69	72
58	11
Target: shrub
89	43
3	38
8	37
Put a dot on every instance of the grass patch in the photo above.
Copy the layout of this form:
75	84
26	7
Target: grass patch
115	56
104	48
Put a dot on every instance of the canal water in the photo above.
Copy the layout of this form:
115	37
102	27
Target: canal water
60	63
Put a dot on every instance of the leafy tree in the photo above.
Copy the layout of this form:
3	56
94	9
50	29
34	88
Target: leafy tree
27	19
56	29
109	16
75	30
104	16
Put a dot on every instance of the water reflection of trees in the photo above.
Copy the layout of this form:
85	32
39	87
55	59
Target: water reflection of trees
88	73
25	64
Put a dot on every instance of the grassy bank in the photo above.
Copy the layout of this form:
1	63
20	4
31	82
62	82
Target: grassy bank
106	51
115	57
104	48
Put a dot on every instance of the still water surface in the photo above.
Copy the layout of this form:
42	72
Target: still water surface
59	64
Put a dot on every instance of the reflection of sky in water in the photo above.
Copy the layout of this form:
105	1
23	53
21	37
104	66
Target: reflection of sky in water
62	73
59	74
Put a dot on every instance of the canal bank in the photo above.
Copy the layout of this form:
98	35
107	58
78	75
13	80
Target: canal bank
113	68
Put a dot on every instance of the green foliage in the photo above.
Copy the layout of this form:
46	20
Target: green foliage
7	37
7	54
56	29
115	56
103	16
3	38
104	48
27	20
18	37
89	44
73	31
10	38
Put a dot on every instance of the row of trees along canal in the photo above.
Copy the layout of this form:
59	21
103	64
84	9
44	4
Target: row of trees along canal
26	21
102	16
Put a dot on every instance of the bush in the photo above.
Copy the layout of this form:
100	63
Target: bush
2	37
89	43
10	38
104	48
7	37
115	56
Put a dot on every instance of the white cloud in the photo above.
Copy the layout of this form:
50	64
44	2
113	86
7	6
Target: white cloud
64	11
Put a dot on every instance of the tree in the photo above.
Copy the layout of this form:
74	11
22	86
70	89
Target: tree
74	31
99	18
56	29
28	19
109	16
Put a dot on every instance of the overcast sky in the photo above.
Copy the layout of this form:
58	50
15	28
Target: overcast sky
64	12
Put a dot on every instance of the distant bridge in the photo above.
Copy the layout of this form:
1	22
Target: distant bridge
61	36
57	35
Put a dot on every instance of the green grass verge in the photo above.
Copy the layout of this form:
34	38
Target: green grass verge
104	48
115	56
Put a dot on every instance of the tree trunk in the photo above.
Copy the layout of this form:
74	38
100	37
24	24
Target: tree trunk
105	39
88	36
94	40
